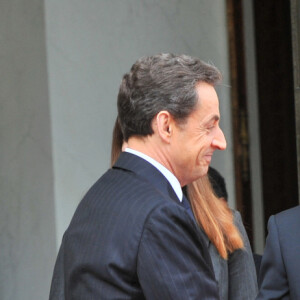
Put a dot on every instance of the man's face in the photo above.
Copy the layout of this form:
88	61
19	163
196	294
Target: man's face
194	143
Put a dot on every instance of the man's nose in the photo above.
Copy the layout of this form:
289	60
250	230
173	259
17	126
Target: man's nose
219	141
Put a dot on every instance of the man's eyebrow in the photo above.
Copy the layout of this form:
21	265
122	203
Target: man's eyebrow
214	118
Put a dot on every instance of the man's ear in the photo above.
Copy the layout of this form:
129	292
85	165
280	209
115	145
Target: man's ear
164	122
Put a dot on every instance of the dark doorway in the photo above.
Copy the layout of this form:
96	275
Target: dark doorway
272	21
276	105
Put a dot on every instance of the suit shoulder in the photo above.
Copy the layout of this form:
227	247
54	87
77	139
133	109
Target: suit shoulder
291	212
284	226
122	193
289	217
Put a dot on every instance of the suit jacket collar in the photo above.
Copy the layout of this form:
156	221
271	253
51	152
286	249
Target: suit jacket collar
147	172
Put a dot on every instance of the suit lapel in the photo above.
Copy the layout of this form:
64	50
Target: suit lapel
149	173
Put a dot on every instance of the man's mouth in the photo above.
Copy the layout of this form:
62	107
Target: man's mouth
208	157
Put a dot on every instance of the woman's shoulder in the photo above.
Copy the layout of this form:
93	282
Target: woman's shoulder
288	216
237	218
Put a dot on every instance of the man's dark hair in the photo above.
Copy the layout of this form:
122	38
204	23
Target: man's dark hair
161	82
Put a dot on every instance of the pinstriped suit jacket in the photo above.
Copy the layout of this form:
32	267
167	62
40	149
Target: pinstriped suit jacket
131	239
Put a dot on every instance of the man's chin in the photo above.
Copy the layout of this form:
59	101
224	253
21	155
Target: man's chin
199	174
204	170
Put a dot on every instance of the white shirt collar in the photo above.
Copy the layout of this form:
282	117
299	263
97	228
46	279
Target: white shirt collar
169	175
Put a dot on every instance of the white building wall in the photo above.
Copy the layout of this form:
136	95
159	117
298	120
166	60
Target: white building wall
27	224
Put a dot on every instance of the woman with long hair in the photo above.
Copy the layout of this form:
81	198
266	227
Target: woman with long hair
227	240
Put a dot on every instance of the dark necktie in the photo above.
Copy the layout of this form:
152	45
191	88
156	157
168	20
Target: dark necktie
186	204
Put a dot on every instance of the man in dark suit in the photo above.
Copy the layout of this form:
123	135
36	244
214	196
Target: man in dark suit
133	235
279	276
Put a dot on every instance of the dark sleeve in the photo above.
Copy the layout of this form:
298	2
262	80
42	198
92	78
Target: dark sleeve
172	259
241	268
273	282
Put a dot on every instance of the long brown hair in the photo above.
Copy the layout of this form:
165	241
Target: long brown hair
211	213
214	216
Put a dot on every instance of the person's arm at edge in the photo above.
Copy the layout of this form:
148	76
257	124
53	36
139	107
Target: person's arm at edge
273	282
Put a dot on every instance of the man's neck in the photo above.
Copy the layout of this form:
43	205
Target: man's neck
167	174
150	146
